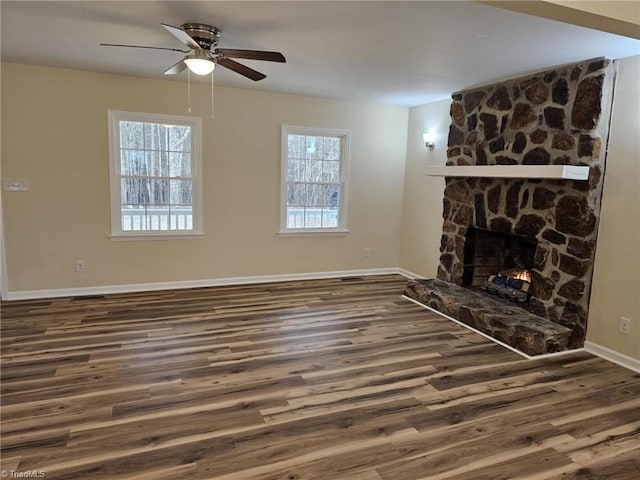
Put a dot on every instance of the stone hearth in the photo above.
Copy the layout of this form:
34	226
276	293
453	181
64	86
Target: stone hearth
494	316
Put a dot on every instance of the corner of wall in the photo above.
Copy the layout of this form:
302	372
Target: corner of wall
616	278
422	202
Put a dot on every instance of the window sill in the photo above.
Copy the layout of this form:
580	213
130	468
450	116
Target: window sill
312	232
146	237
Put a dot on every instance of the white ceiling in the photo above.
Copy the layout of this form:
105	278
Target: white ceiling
402	53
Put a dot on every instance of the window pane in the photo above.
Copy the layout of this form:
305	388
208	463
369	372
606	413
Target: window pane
156	136
134	191
308	173
150	137
156	165
181	192
314	195
331	172
297	194
335	197
157	218
132	162
329	196
314	171
181	218
296	170
313	218
319	148
314	148
309	147
133	217
295	217
131	135
331	148
329	218
158	191
180	165
296	146
179	138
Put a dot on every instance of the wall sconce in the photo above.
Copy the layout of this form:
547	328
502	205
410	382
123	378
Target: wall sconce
429	139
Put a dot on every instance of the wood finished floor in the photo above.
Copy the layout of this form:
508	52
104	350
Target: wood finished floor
339	379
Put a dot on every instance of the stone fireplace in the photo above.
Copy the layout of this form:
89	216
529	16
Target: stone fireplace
549	226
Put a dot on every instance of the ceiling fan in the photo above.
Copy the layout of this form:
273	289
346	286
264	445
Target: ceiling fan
204	54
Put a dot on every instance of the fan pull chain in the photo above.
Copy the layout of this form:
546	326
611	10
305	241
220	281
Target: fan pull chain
189	88
212	115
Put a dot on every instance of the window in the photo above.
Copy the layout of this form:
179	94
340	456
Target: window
314	179
155	175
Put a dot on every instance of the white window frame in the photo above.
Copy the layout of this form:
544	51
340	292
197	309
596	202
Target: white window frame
117	233
345	135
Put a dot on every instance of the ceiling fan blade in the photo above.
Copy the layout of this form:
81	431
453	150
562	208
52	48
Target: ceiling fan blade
181	35
142	46
241	69
176	68
252	54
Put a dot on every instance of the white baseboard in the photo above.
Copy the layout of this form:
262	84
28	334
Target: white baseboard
214	282
613	356
409	274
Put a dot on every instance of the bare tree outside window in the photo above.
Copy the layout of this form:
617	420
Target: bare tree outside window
155	175
314	163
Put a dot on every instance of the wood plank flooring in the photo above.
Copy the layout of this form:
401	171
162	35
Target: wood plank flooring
338	379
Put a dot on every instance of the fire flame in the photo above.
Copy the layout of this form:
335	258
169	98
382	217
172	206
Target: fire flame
522	275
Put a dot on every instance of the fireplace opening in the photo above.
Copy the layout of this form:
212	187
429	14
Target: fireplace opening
499	263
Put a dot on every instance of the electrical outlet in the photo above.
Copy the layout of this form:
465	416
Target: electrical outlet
625	325
80	266
367	252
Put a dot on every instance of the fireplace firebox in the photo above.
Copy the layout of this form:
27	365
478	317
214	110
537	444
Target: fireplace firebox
488	253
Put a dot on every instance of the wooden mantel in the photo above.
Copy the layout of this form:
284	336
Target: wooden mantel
566	172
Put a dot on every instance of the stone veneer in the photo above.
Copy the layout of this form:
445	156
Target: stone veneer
500	318
557	117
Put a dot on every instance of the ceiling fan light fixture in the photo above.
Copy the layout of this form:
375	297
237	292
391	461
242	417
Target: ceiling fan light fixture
199	64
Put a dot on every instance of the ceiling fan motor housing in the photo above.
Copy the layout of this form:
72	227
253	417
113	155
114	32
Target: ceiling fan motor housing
206	35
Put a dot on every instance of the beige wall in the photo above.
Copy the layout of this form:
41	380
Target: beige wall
422	212
613	16
626	10
54	132
616	283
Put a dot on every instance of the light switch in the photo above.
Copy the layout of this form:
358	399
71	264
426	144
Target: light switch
16	184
